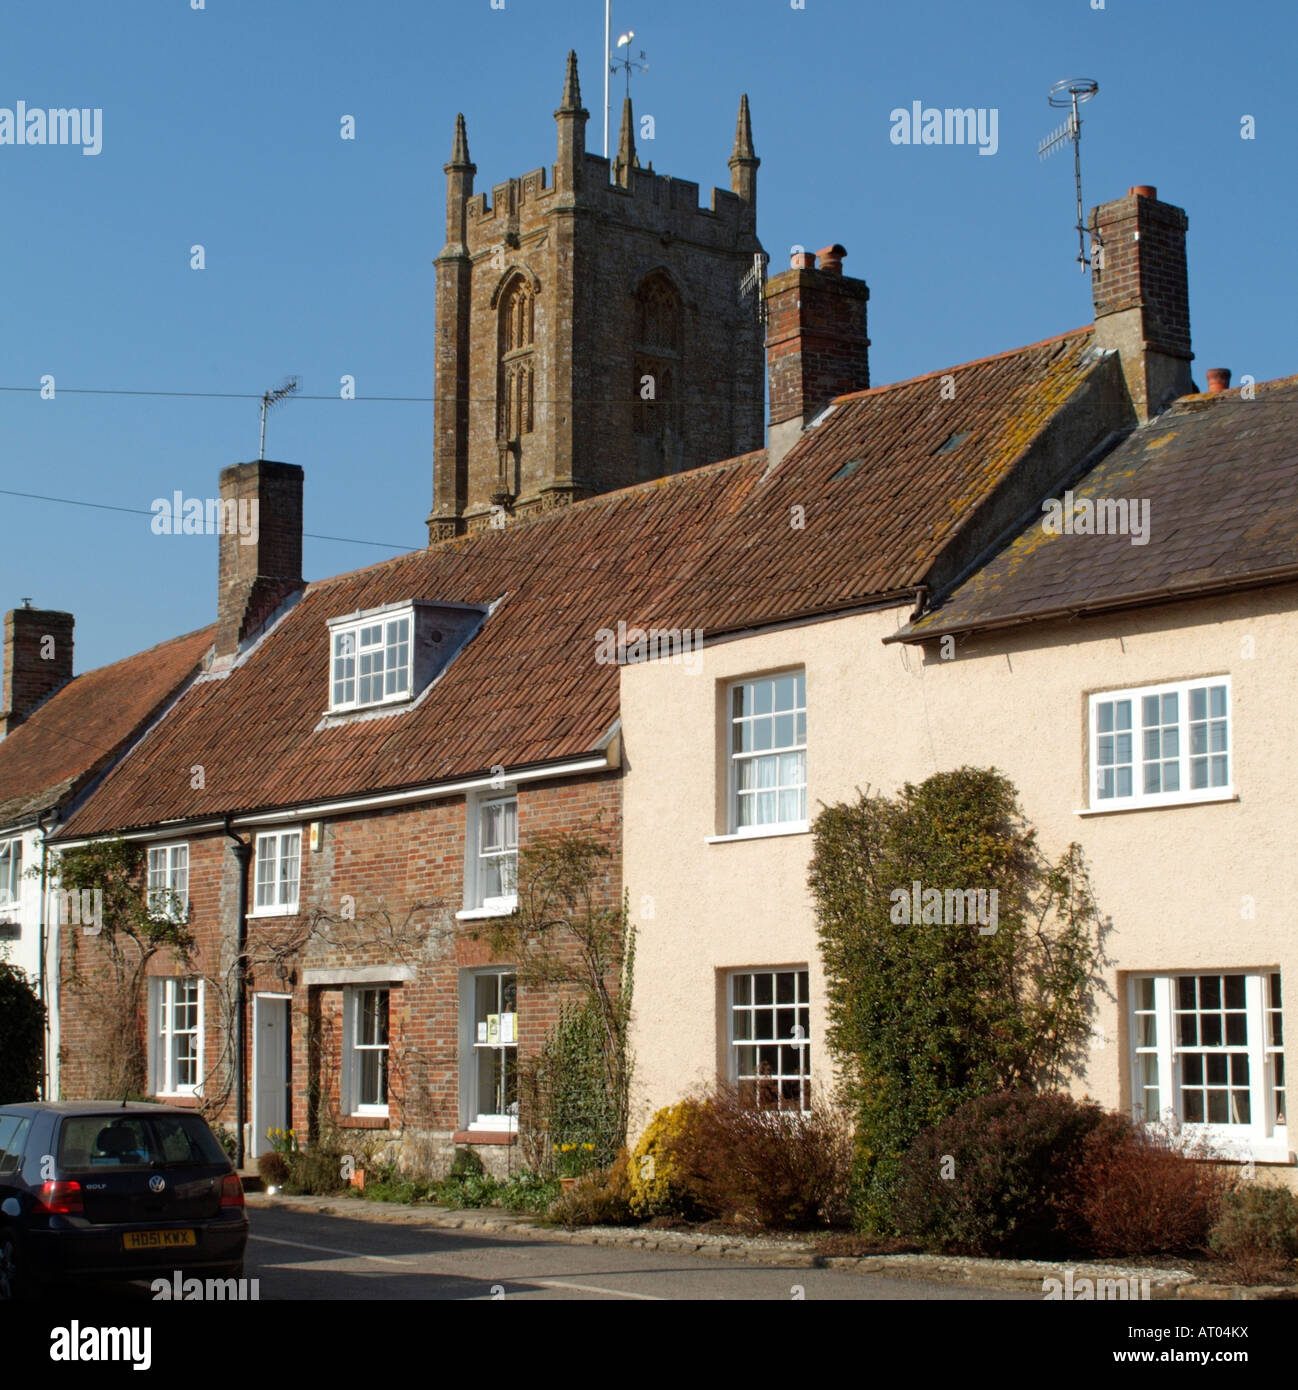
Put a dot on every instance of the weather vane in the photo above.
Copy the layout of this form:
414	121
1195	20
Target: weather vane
268	402
626	62
1069	94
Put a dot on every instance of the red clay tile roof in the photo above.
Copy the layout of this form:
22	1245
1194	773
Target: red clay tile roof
713	546
525	691
878	529
1220	475
81	728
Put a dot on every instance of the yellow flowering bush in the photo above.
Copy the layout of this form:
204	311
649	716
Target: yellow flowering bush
654	1172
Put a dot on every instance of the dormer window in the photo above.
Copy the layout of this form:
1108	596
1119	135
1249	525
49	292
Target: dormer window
371	661
382	658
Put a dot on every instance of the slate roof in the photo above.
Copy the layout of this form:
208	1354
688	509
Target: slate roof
712	548
1220	474
82	727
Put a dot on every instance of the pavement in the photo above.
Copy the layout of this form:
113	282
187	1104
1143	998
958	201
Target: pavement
432	1252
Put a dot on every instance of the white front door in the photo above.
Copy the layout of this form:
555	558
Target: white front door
269	1068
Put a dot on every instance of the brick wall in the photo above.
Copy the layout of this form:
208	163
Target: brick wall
37	661
403	870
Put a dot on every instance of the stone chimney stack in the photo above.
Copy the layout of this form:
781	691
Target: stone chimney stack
816	343
1141	291
261	557
37	661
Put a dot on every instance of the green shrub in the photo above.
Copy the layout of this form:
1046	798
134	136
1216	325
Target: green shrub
22	1036
466	1164
1256	1232
527	1192
315	1172
995	1177
741	1161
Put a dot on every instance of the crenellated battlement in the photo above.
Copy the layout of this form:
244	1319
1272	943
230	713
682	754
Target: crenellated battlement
590	327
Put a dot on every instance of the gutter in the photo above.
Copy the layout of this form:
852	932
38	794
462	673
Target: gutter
431	791
1281	574
243	857
42	947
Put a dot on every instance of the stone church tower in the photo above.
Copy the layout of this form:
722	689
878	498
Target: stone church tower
590	331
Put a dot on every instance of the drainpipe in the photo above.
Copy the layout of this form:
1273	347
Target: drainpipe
921	602
243	856
42	946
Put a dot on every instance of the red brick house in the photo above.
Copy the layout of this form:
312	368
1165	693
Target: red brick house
338	799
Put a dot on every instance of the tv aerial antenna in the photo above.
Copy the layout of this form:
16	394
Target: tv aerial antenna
1069	94
269	401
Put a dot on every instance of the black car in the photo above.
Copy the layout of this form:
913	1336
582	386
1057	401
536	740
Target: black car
105	1190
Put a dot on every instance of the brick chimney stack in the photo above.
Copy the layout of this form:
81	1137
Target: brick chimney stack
37	661
816	343
261	565
1141	291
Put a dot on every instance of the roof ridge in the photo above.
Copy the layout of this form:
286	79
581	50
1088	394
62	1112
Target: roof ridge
1084	330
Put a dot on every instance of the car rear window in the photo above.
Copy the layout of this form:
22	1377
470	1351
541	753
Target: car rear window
119	1141
13	1136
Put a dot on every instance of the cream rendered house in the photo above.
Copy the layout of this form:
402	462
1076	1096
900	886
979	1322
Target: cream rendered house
1134	685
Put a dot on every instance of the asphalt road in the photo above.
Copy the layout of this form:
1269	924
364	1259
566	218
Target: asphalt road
303	1255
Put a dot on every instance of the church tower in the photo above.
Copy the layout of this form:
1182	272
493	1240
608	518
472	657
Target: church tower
590	331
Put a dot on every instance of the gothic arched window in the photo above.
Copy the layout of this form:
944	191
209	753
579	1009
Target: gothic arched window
516	374
657	355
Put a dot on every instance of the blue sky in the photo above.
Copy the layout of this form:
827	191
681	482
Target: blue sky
221	127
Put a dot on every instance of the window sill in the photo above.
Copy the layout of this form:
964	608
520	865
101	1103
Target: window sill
274	911
765	833
365	1122
485	1136
480	914
1216	799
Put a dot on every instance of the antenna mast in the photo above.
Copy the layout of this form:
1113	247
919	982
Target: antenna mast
1070	93
268	402
608	53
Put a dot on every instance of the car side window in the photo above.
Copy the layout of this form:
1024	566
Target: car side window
13	1138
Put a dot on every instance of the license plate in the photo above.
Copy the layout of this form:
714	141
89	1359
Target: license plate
157	1240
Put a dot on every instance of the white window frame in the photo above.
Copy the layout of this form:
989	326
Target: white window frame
352	1051
802	1008
1262	1137
733	757
1185	794
170	877
163	1001
476	902
345	673
11	872
281	906
470	1047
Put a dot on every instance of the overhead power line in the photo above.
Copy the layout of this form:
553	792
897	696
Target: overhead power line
144	511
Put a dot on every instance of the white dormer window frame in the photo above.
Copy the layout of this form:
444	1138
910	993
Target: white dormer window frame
371	658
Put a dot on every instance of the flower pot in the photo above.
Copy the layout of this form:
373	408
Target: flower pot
567	1183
